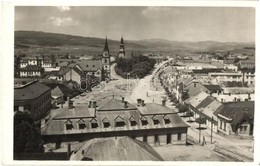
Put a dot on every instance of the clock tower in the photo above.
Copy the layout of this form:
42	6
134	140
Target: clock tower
106	61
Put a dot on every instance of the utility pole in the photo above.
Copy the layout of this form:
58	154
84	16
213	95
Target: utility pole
211	134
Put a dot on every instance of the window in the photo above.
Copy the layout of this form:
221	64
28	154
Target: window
94	123
133	121
119	122
155	121
69	125
179	136
194	85
166	120
144	121
93	65
105	60
81	124
106	123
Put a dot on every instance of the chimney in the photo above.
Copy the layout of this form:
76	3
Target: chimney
70	104
82	152
139	101
123	99
164	103
94	104
68	100
68	150
126	104
143	103
90	104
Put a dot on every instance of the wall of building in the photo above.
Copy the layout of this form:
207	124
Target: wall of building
175	136
37	107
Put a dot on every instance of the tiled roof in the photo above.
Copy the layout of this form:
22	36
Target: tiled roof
115	104
115	149
154	108
237	112
205	102
213	87
79	111
196	100
30	91
90	65
63	89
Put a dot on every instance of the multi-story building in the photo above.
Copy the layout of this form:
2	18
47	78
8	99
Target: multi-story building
33	97
41	61
226	77
148	122
31	71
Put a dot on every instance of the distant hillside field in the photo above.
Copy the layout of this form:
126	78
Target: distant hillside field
31	42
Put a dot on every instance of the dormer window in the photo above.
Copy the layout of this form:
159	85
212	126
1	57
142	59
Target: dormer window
144	121
119	122
106	123
81	124
166	120
68	125
133	121
155	121
94	123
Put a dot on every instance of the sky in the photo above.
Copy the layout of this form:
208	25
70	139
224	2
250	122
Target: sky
224	24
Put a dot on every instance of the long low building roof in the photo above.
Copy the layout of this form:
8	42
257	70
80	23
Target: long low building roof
30	91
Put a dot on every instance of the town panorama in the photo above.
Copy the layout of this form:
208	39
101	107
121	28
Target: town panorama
132	84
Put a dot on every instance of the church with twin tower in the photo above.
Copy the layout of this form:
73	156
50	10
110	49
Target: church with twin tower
106	61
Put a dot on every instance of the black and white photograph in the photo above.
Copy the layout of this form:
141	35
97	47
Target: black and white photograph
134	83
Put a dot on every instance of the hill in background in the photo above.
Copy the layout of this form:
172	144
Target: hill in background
31	42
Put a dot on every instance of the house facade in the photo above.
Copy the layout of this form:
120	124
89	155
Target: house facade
31	71
237	118
33	97
152	123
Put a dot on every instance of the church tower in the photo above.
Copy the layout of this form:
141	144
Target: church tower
121	53
106	61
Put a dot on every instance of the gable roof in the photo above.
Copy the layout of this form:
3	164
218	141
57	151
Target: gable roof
30	91
90	65
116	149
238	112
196	100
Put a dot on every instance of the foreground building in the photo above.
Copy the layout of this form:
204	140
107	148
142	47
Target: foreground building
151	122
105	149
33	97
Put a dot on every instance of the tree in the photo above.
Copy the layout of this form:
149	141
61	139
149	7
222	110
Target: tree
189	114
27	137
183	109
200	120
184	95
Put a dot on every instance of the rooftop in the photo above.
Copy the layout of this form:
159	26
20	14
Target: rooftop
154	108
30	91
114	149
90	65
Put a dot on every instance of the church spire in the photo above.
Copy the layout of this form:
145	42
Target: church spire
122	41
106	45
